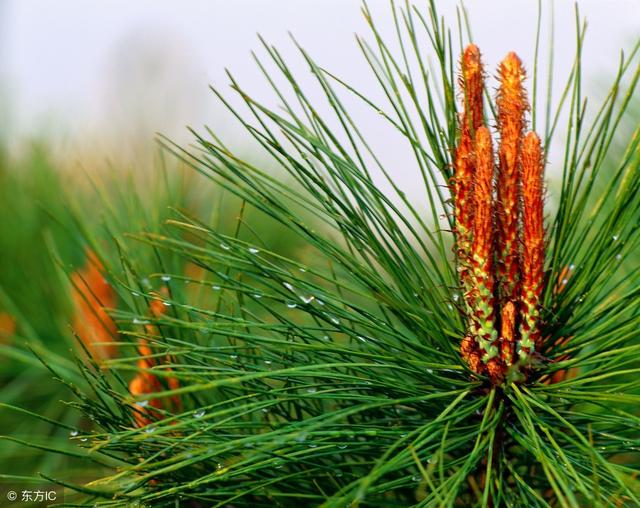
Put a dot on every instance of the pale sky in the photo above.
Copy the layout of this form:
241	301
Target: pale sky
85	69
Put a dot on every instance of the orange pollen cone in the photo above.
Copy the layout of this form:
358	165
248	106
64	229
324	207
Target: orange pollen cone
499	226
511	105
91	294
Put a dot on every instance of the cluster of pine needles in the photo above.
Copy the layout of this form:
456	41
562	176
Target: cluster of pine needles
334	377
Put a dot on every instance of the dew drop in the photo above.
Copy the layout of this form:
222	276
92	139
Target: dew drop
302	269
456	297
564	281
313	445
307	299
199	414
150	430
265	409
215	288
137	321
268	362
166	304
135	293
334	320
619	257
288	286
572	267
142	403
416	477
83	439
450	307
342	446
320	302
233	357
219	467
614	238
253	250
225	246
166	278
257	296
73	433
312	390
326	337
291	305
361	338
338	474
429	371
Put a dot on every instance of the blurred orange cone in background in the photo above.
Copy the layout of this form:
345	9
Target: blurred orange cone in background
91	295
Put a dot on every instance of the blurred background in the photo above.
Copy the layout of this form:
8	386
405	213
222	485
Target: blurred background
98	79
85	87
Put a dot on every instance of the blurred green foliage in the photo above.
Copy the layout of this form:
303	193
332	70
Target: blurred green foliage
51	214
